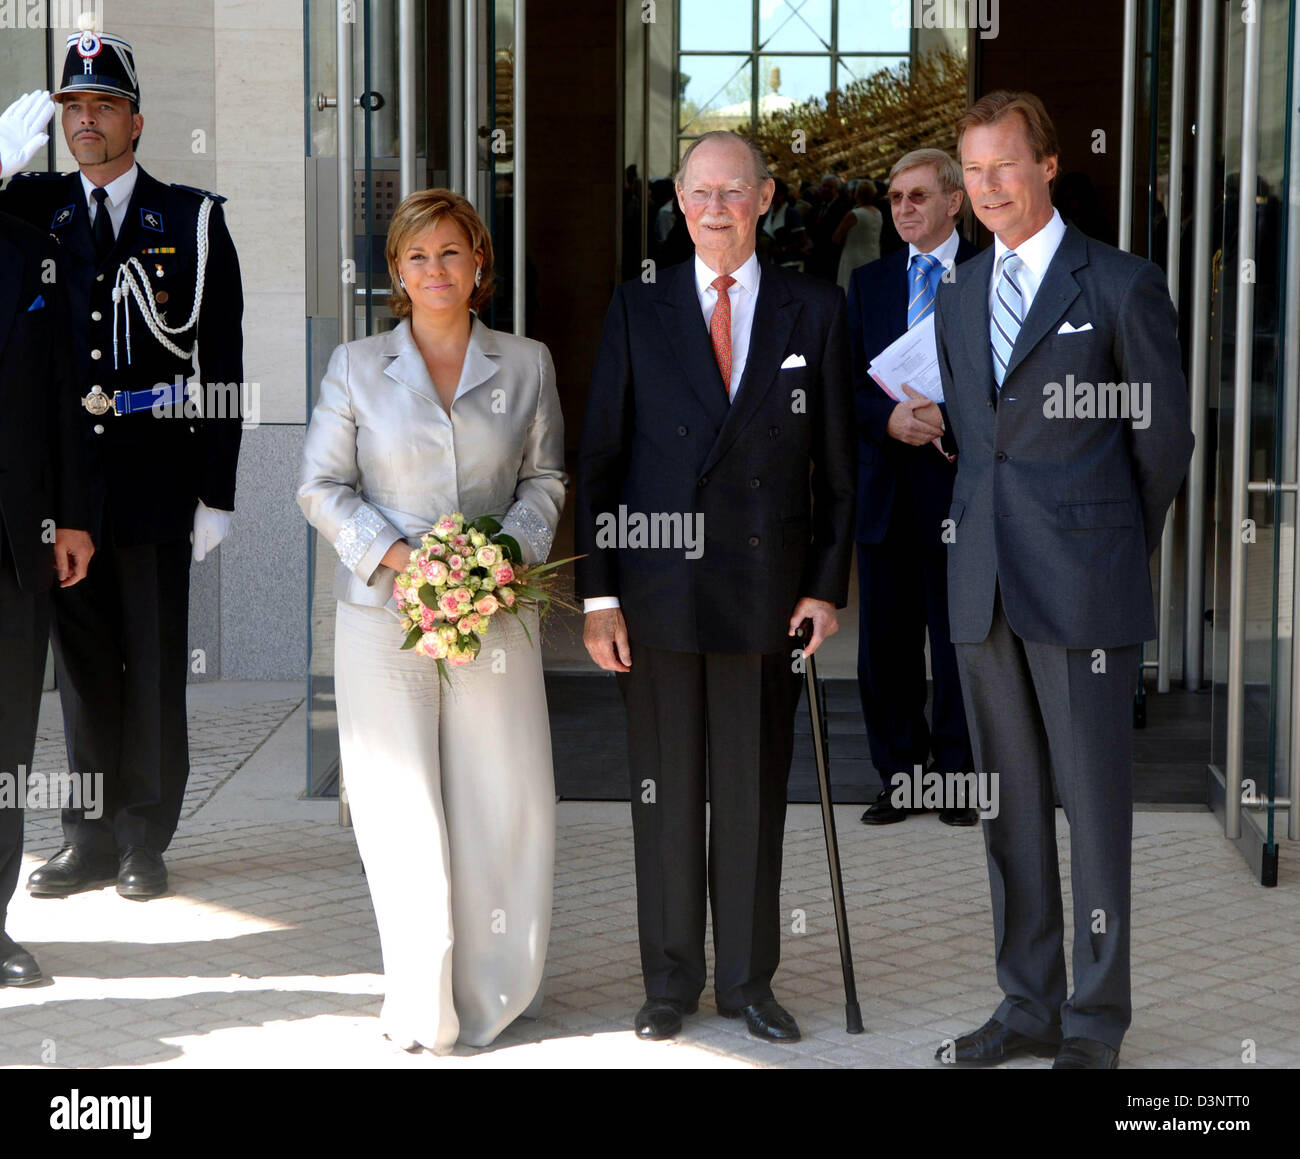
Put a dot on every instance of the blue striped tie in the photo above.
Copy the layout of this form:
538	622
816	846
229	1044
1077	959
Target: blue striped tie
1006	316
921	299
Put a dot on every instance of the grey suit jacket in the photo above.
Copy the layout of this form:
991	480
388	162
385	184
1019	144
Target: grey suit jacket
382	459
1057	508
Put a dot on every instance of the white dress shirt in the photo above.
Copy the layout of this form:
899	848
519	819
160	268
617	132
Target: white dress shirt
743	295
945	252
1035	255
119	196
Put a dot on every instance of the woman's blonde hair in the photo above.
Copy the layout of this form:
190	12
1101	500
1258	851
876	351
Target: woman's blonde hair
421	211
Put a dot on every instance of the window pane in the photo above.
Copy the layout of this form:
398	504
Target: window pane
855	68
717	25
789	80
715	93
794	25
875	26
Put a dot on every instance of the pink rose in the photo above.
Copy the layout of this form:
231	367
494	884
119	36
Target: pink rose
459	658
438	550
486	605
455	561
426	618
445	528
503	574
435	571
463	596
488	556
458	575
460	541
450	604
506	596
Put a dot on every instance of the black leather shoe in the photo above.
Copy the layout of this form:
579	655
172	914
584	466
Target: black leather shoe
959	816
767	1019
17	966
142	874
883	811
991	1044
1086	1054
662	1017
70	871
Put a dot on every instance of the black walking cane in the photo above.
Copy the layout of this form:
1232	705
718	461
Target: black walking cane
852	1014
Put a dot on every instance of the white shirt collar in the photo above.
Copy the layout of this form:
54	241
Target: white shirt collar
1037	251
746	277
945	251
119	189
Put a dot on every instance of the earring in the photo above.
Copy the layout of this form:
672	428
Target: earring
401	282
478	276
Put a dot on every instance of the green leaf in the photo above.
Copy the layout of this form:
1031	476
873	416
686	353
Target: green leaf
543	568
428	597
510	546
412	637
489	525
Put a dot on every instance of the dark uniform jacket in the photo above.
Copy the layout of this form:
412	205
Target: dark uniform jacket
152	469
42	471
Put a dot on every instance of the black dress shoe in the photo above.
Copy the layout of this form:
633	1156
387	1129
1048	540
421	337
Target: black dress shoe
662	1017
959	816
1086	1054
767	1019
883	811
17	966
142	874
991	1044
70	871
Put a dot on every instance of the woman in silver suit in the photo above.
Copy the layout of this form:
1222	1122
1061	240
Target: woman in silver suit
450	784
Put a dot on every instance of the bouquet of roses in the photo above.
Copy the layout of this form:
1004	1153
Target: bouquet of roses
463	574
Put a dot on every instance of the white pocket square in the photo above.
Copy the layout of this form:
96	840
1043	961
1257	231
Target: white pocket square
794	360
1066	328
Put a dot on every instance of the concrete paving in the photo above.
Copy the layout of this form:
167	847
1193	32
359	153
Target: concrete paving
264	954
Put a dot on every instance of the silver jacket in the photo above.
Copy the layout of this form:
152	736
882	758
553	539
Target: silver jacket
382	459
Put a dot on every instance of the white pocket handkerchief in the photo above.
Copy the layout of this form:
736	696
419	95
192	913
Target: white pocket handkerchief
794	360
1066	328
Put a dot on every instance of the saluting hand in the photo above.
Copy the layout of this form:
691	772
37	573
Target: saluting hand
22	133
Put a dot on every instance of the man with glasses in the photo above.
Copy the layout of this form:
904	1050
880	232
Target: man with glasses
904	491
720	401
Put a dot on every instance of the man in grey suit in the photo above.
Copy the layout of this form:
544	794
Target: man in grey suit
1061	371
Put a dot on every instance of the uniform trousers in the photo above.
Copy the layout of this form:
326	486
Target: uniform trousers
24	639
452	793
122	652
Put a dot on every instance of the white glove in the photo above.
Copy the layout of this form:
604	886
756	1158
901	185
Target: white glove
21	130
210	527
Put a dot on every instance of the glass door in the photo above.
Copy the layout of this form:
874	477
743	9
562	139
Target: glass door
431	93
1253	390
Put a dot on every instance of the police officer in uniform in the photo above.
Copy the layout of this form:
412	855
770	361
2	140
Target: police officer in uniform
152	281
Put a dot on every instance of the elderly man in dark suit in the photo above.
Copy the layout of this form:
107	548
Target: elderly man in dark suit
43	497
1061	369
904	491
721	405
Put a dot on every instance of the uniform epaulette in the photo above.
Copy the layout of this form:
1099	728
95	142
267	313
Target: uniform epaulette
201	192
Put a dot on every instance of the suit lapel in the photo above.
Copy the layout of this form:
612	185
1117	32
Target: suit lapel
1057	291
407	367
679	311
10	288
975	320
898	293
775	314
75	232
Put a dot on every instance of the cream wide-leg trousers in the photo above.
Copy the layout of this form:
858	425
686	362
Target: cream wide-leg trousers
452	793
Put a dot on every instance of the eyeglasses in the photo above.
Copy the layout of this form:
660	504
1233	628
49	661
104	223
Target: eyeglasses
917	197
731	196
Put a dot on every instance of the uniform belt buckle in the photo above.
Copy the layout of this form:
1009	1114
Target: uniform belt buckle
99	403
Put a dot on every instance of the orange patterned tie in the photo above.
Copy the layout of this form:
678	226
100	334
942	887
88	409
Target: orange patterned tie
720	329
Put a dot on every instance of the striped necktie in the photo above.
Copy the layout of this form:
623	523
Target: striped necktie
921	300
1006	316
